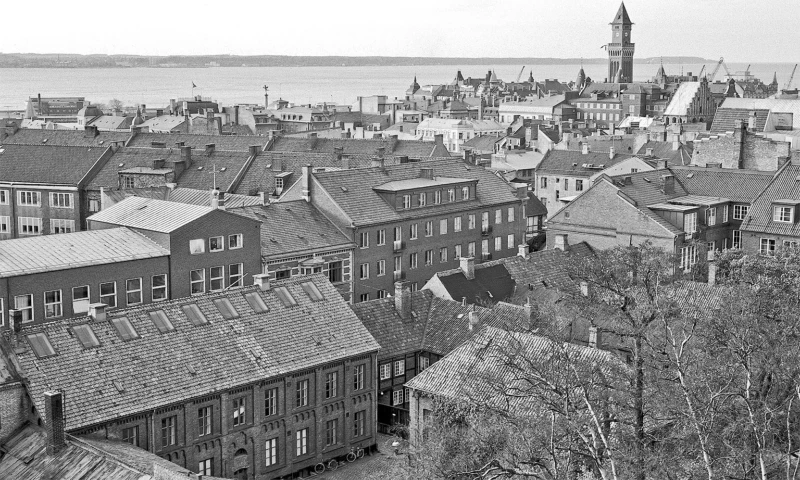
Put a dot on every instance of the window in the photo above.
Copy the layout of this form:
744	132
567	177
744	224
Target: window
397	397
283	274
740	211
206	467
471	221
124	328
428	257
690	222
498	244
423	199
451	194
725	214
542	182
737	239
386	371
457	224
498	216
302	441
197	279
204	420
30	226
3	197
216	244
238	411
5	221
131	435
301	393
364	240
133	288
359	421
363	297
424	362
61	200
510	243
364	271
437	197
406	201
457	252
358	377
688	257
399	368
767	246
471	249
413	231
235	241
94	206
510	216
711	246
443	226
270	402
429	228
225	308
128	182
169	430
235	274
41	345
412	260
160	320
108	294
193	313
464	193
330	432
28	198
159	287
80	299
86	336
197	246
52	304
331	379
782	214
217	278
381	237
711	216
272	451
484	221
443	255
60	225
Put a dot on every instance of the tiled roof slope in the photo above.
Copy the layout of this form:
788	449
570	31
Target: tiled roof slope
235	143
647	188
492	282
150	214
292	227
71	138
784	186
409	148
680	156
47	253
725	119
436	326
121	378
484	143
736	185
354	194
568	162
46	163
477	368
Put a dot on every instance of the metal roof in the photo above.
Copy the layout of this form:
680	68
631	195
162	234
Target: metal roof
47	253
699	200
150	214
398	185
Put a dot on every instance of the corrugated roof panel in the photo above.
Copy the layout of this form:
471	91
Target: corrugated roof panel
150	214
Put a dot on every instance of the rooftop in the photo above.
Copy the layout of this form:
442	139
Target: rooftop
785	185
410	148
150	214
412	183
72	138
234	143
48	164
576	163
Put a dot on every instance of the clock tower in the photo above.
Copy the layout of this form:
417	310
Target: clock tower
620	50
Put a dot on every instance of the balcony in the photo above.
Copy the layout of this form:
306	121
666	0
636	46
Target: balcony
399	275
486	230
398	245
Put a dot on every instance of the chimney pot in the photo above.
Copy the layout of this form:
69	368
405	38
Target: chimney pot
253	150
15	320
54	421
585	148
262	280
649	151
594	337
561	242
473	320
186	153
467	265
210	147
97	311
522	250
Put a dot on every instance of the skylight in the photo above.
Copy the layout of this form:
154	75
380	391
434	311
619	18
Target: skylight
285	297
312	291
124	328
41	345
86	336
256	302
195	315
161	321
226	309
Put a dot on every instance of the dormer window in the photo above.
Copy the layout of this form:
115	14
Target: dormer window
783	213
464	193
451	195
406	201
711	216
423	199
437	197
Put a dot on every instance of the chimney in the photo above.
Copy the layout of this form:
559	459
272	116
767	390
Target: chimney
90	131
661	164
751	121
186	154
54	421
561	242
438	139
262	280
585	289
253	150
585	148
158	164
338	151
473	320
522	250
595	340
611	153
210	148
393	142
15	320
312	140
676	144
305	183
669	183
378	161
426	172
97	311
402	299
467	265
649	151
215	198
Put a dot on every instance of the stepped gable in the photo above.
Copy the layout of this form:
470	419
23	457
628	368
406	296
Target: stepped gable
726	119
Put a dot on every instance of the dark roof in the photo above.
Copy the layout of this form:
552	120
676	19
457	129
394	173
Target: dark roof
48	164
235	143
647	188
354	194
293	227
121	378
567	162
534	206
545	268
736	185
74	138
492	282
725	119
783	186
484	143
409	148
359	117
680	156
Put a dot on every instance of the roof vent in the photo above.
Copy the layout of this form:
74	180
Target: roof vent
199	168
223	169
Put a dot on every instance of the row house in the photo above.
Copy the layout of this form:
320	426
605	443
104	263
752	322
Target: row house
453	133
411	220
200	382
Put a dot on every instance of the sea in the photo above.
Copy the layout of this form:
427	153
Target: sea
299	85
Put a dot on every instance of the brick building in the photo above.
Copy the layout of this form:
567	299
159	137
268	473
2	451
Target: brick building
210	249
409	221
200	382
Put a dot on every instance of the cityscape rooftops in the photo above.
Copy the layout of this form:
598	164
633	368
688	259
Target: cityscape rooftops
150	214
47	164
235	143
73	138
577	163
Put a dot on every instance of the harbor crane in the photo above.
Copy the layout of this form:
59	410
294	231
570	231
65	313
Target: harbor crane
520	74
721	63
791	78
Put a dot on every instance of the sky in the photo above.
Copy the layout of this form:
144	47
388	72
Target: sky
740	30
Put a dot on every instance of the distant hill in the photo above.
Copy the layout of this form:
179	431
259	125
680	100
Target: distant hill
33	60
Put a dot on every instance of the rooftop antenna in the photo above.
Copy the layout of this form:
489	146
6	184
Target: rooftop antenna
214	170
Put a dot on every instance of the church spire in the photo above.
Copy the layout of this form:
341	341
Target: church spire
622	16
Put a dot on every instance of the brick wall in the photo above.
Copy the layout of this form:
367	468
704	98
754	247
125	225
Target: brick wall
15	409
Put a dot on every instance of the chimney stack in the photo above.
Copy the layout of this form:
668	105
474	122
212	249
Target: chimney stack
253	150
751	121
649	151
595	340
402	299
97	311
54	421
210	147
522	250
15	320
612	153
305	183
585	148
262	280
561	242
473	320
467	265
669	183
186	154
585	289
